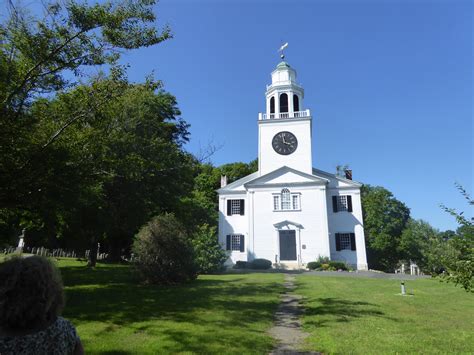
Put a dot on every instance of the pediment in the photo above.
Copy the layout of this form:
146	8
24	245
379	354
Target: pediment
286	176
286	224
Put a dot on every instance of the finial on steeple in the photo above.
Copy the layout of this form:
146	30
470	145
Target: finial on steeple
282	55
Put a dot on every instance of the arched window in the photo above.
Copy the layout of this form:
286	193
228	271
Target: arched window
283	103
285	199
272	105
296	103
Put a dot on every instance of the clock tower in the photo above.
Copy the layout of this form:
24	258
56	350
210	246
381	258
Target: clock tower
284	131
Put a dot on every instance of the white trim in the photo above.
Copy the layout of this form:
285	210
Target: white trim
334	176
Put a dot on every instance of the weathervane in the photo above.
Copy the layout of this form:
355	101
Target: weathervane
282	48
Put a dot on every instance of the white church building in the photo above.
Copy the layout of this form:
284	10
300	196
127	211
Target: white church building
289	212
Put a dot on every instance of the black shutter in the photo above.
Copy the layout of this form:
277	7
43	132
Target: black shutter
349	203
227	246
229	208
242	207
334	203
353	241
338	242
242	243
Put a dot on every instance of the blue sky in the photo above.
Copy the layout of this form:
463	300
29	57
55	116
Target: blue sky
389	84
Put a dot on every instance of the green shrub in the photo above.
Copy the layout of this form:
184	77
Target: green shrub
241	265
164	254
338	265
209	255
260	264
313	265
324	266
323	259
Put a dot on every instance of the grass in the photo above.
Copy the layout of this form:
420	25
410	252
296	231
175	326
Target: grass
368	316
215	314
231	314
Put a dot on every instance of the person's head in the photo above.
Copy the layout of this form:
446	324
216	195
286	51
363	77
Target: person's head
31	293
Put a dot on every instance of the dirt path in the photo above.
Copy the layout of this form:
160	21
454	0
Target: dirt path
287	327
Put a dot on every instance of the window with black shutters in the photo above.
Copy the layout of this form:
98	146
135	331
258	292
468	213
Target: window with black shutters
235	242
342	203
235	207
345	241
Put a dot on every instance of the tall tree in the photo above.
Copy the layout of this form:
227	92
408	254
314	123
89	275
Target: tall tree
129	156
459	256
202	206
35	56
421	243
385	218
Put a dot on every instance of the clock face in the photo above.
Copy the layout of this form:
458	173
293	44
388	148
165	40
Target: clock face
284	143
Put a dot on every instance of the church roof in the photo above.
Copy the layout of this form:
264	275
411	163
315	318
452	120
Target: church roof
336	177
318	177
283	65
239	182
297	177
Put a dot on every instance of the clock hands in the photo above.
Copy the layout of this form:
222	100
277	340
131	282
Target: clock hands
284	143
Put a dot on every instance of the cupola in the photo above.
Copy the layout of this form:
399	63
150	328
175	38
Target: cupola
284	96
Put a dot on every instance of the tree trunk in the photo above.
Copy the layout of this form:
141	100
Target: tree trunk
93	254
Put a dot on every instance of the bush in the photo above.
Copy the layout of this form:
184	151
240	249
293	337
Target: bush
260	264
325	267
241	265
313	265
164	253
338	265
209	255
323	259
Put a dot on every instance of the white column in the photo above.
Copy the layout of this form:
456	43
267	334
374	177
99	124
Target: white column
251	242
277	102
359	233
222	240
290	104
267	104
277	245
324	218
300	256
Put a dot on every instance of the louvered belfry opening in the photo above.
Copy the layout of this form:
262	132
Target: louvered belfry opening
283	103
296	103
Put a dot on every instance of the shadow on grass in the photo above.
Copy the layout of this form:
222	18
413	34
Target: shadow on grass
105	274
203	307
330	309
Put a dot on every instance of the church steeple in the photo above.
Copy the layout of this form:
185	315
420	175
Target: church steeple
284	137
284	96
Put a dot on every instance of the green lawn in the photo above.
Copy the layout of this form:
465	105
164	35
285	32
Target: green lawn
366	316
225	314
215	314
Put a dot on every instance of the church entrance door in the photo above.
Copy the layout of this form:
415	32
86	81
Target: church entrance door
287	245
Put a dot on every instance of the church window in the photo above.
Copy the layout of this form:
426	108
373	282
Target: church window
296	103
286	201
345	241
272	105
235	242
235	207
276	202
283	103
342	203
295	201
